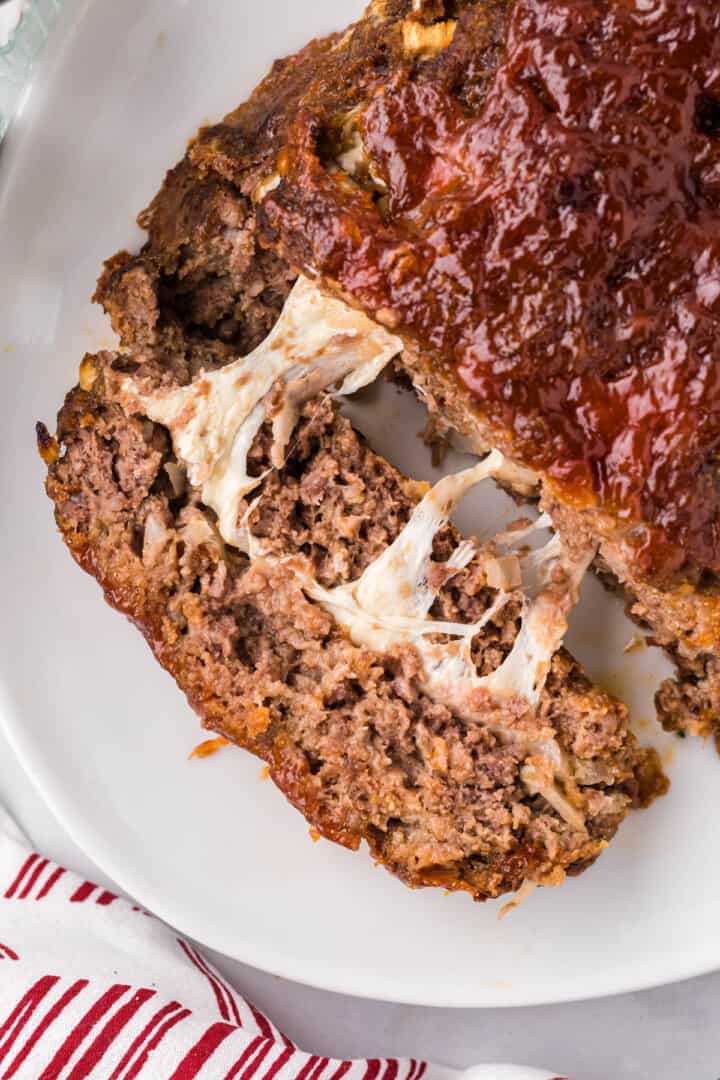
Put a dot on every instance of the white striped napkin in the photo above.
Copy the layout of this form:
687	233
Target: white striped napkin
93	986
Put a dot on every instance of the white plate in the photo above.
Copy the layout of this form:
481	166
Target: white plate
105	734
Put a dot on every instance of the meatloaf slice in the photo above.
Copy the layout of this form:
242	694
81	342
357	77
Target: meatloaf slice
382	667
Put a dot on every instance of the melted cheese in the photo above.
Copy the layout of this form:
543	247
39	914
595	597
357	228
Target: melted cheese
390	603
320	342
524	893
317	342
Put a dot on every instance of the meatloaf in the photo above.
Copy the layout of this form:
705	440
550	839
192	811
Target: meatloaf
534	218
406	687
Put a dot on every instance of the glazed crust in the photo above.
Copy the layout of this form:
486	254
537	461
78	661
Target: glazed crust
627	448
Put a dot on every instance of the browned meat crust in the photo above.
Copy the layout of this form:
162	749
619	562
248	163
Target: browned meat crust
202	289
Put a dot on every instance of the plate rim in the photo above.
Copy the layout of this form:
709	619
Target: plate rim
365	987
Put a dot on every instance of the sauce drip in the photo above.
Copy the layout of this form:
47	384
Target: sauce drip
558	242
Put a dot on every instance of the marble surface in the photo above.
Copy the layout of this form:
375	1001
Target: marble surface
667	1034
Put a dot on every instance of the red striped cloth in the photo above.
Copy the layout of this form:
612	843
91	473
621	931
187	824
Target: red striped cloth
92	986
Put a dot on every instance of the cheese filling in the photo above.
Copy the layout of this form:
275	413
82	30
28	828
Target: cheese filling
390	603
320	342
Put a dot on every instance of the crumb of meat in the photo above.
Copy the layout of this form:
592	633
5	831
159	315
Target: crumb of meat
47	444
209	748
690	703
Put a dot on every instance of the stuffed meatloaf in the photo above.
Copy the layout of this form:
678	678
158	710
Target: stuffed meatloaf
525	192
405	686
